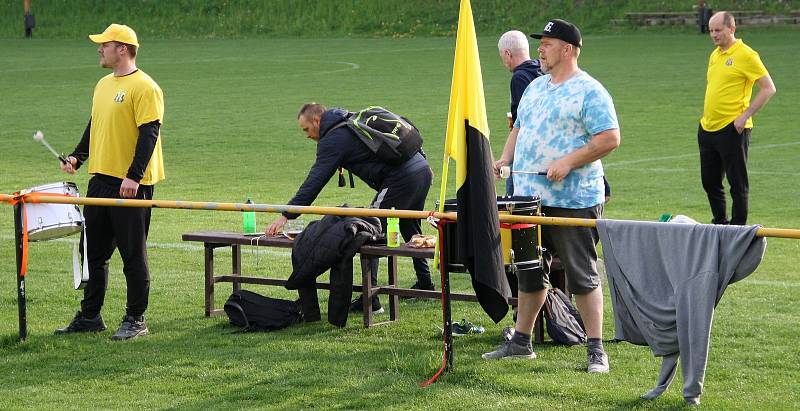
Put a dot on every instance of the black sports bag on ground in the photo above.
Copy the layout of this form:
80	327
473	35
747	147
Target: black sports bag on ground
564	323
255	312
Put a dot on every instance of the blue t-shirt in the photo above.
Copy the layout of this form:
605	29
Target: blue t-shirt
555	120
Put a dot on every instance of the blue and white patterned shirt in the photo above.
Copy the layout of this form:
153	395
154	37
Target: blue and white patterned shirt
555	120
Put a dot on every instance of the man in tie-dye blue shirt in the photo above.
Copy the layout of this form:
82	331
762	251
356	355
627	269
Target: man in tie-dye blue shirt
565	124
553	121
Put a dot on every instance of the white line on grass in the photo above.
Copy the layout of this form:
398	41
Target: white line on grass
651	159
692	170
184	247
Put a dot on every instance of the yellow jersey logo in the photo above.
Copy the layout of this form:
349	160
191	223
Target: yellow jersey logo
120	97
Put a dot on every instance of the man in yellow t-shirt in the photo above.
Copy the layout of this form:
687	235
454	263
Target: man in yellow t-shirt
123	145
724	131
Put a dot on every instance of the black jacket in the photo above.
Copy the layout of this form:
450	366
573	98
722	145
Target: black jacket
340	147
326	244
523	75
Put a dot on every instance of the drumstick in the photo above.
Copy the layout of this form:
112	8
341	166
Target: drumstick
39	136
505	172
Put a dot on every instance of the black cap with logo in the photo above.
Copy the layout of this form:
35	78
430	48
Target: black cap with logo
562	30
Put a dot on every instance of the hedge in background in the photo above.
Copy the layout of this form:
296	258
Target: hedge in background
320	18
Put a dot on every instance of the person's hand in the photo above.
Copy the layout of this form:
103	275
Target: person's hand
739	123
498	165
69	166
128	188
558	170
276	226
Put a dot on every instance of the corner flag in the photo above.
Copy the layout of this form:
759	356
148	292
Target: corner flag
467	143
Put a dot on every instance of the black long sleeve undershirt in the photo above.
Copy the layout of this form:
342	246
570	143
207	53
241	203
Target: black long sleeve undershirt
148	136
145	145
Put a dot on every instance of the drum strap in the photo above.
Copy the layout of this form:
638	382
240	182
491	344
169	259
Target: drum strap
28	198
80	272
517	226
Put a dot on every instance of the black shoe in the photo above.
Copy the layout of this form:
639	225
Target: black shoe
81	324
130	328
417	286
358	306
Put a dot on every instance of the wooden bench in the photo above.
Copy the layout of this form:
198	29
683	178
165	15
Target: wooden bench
214	239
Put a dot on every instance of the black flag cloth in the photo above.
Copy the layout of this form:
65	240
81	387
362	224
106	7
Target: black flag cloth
468	144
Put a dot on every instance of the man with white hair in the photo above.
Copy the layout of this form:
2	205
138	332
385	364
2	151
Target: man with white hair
516	57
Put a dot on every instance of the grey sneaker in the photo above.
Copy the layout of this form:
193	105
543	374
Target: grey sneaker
598	362
81	324
130	328
510	349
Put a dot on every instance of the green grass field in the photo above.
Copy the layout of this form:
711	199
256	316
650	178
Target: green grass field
230	133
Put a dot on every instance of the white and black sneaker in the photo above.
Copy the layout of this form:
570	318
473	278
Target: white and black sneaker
357	305
130	328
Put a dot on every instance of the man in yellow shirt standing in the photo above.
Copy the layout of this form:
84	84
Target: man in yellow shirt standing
724	132
123	145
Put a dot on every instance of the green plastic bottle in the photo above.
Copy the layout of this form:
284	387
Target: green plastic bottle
249	220
392	231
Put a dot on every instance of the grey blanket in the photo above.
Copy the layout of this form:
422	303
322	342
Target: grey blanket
665	280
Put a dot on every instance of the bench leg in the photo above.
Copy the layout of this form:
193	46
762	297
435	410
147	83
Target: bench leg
366	290
209	272
394	300
236	265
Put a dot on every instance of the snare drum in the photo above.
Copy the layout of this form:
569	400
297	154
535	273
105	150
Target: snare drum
520	242
50	221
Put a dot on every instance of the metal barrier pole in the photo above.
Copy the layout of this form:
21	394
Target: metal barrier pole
23	319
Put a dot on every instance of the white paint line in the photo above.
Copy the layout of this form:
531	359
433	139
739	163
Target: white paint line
653	159
697	170
187	246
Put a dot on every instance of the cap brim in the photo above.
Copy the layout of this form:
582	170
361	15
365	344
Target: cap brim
537	35
99	38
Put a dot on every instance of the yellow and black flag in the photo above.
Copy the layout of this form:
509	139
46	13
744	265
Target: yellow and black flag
468	144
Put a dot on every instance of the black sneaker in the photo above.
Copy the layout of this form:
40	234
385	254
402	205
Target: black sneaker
81	324
417	286
358	306
130	328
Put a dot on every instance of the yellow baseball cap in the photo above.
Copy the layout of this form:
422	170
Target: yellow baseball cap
116	32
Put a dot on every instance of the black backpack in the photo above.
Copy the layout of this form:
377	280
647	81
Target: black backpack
255	312
564	323
391	137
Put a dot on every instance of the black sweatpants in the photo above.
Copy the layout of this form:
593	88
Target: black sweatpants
723	153
110	228
406	191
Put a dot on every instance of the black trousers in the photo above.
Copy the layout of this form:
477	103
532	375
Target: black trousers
723	153
110	228
406	192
